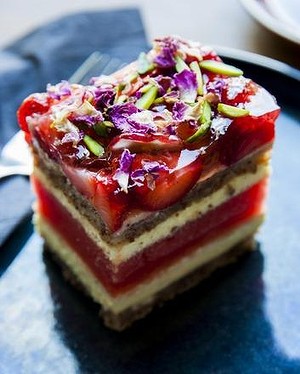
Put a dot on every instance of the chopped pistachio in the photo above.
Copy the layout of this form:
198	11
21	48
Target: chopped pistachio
132	77
121	87
180	64
219	67
147	99
205	122
196	69
206	112
159	100
146	88
121	99
93	146
144	65
202	130
232	111
102	128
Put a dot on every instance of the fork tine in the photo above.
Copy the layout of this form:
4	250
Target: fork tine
80	73
113	65
95	65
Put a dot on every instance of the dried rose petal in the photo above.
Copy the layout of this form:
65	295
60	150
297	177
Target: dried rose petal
87	119
119	114
142	122
123	172
167	48
186	82
104	98
165	59
178	111
127	118
149	172
164	83
57	91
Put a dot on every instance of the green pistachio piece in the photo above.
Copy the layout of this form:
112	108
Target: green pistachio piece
180	64
196	69
232	111
93	146
144	65
147	99
205	122
146	88
220	68
202	130
132	77
102	128
121	99
120	87
206	112
159	100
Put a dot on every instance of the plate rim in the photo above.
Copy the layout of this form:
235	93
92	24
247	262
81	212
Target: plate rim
275	25
259	60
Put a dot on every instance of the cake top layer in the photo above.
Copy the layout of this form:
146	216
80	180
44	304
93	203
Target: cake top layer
155	126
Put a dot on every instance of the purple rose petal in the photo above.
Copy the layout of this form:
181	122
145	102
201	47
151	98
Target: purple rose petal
165	59
61	89
73	136
104	98
127	118
149	172
87	119
123	172
171	130
186	82
164	83
216	86
142	122
168	47
178	110
119	115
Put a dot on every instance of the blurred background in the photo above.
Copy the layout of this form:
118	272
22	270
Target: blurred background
216	22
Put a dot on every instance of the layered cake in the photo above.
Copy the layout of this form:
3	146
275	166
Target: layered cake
151	178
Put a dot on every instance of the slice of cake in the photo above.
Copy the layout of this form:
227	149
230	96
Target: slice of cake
151	178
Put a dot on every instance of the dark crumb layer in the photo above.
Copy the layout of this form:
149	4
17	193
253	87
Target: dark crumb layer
124	320
53	171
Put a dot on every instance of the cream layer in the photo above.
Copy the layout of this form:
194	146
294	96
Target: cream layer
121	252
144	292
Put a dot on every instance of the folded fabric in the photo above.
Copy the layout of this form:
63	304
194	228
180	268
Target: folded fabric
49	54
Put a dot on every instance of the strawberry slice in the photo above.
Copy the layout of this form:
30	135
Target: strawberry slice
83	180
245	135
145	143
100	189
163	188
185	130
110	204
31	105
238	90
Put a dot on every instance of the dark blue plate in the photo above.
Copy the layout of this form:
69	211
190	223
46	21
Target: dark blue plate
246	319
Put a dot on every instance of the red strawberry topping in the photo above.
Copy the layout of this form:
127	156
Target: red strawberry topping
163	188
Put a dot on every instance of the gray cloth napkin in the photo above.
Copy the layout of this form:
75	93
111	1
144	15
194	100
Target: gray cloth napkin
49	54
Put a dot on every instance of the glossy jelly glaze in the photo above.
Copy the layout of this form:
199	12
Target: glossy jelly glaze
149	261
176	115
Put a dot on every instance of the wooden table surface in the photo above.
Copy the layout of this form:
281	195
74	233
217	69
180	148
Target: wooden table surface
215	22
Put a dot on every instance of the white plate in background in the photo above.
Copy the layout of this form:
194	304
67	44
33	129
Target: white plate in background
280	16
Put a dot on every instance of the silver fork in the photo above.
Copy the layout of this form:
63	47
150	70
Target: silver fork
15	158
